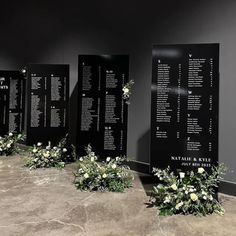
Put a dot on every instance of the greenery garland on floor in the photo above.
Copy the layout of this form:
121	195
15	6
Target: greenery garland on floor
110	175
8	143
45	157
188	193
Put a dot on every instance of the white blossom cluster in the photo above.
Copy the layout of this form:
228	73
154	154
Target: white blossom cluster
108	175
127	91
187	193
7	143
44	157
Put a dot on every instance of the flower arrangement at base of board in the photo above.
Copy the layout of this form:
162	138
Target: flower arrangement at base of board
8	143
110	175
192	192
45	157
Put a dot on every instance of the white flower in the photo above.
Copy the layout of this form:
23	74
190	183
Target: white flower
117	158
125	90
181	175
0	149
191	190
108	159
86	176
8	145
204	193
34	150
10	134
81	159
180	204
160	178
104	176
210	198
204	197
39	144
92	159
173	186
186	192
48	147
113	166
55	148
64	150
167	199
193	197
200	170
46	154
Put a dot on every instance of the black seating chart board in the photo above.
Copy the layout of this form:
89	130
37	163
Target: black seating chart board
47	103
184	106
102	116
12	87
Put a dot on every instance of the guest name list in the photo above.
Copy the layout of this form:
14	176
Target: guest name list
11	102
48	96
102	111
184	117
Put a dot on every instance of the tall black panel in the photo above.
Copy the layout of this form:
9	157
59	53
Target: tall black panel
47	103
184	112
12	89
102	118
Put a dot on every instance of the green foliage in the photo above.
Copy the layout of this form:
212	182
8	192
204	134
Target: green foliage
8	143
188	193
110	175
45	157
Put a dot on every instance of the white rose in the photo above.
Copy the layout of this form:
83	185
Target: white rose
64	150
193	197
81	159
181	175
10	134
92	159
186	192
173	186
46	154
8	145
113	166
200	170
204	197
108	159
39	144
55	148
167	199
180	204
210	198
117	158
86	176
0	149
125	90
104	176
35	150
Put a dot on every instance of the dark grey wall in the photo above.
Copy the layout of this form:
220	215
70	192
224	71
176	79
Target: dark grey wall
57	31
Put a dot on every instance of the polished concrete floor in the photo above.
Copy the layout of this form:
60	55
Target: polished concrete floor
45	202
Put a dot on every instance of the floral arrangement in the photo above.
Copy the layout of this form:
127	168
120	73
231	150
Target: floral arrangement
45	157
110	175
188	193
8	143
127	91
